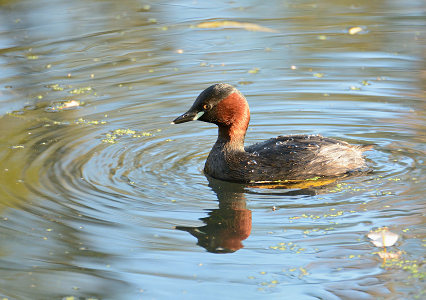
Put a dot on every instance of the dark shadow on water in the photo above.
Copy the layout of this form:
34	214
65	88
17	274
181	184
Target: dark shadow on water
227	226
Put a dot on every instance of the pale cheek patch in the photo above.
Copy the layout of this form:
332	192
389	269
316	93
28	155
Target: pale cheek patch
197	116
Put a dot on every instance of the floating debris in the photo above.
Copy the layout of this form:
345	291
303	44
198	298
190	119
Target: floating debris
234	24
66	105
355	30
389	255
383	237
245	82
71	104
144	8
17	147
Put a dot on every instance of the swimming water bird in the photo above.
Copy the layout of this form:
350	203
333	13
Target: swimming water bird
290	157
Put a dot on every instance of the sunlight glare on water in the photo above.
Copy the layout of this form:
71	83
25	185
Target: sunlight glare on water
102	198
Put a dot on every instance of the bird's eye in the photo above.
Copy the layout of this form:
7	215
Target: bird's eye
207	106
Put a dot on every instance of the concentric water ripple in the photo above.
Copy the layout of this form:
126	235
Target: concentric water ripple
76	162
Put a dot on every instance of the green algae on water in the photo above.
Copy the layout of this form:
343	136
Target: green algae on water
112	138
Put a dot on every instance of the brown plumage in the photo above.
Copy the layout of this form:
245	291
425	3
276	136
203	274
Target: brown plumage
293	157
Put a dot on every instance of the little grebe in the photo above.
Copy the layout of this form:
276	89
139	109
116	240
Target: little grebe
293	157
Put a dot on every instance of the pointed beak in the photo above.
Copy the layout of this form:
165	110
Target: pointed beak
188	116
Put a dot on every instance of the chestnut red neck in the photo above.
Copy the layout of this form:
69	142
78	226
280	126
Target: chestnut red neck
233	116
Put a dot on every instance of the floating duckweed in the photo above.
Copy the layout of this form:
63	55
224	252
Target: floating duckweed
146	134
394	179
55	87
318	75
411	266
111	138
89	122
124	132
303	272
32	57
316	217
81	90
254	71
340	187
288	247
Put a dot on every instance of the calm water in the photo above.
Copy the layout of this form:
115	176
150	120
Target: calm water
101	198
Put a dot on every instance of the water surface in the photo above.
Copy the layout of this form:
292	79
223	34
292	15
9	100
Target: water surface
101	198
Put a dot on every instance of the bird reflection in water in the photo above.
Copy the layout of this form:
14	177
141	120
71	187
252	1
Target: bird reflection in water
226	227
